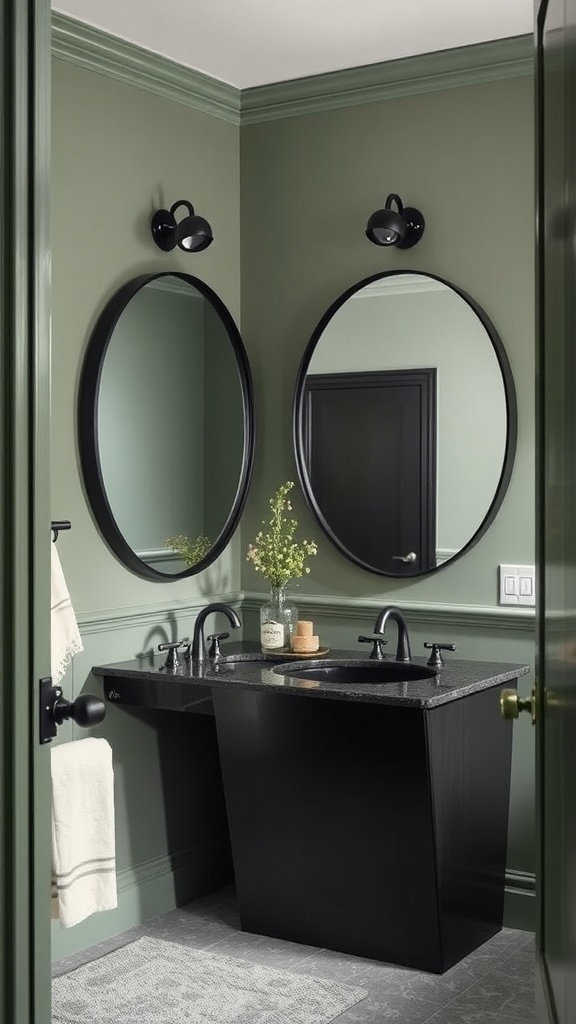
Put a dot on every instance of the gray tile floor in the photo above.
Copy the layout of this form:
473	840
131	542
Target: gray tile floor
495	985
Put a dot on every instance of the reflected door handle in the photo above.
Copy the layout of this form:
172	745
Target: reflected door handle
410	557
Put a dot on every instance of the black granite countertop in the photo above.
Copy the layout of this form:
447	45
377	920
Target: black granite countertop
185	687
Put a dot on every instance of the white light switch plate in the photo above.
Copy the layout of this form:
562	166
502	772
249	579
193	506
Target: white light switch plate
517	584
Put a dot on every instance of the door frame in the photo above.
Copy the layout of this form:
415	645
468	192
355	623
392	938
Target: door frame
555	677
25	111
543	1000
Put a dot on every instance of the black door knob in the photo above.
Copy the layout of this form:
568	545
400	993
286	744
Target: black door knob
86	710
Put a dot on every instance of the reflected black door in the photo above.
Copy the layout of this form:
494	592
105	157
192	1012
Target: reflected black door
371	456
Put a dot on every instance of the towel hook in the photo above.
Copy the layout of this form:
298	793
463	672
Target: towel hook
59	524
86	710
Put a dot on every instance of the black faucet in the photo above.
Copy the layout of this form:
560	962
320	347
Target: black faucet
198	652
403	648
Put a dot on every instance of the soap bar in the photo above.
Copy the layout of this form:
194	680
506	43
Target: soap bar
305	644
304	628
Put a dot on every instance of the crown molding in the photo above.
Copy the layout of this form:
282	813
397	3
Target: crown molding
93	50
175	286
401	284
430	72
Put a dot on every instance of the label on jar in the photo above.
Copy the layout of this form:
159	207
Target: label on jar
272	635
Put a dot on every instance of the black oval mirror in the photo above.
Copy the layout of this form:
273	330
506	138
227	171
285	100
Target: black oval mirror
404	423
166	424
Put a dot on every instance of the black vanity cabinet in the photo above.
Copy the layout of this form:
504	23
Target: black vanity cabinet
369	819
371	829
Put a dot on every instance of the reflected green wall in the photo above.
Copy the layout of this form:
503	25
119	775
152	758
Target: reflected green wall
288	201
152	451
224	448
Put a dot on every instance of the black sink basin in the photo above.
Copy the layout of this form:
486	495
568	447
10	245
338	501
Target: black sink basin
353	672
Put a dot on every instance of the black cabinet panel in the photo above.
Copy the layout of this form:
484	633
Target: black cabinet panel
377	831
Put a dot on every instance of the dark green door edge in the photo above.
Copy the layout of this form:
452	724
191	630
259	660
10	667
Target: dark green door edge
24	509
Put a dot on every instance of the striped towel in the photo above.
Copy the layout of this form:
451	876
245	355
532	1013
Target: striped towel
83	837
65	635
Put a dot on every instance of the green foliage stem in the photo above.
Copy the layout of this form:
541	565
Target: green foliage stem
191	551
275	553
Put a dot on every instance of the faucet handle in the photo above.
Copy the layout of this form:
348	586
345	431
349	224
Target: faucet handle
172	660
379	642
435	660
215	638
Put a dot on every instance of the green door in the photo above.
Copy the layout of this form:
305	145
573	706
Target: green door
24	510
556	500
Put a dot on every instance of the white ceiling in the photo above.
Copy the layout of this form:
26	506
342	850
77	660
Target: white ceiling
255	42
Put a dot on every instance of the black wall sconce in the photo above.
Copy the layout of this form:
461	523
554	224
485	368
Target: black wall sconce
192	233
402	227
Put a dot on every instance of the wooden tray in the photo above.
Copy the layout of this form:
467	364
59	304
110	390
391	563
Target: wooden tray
309	654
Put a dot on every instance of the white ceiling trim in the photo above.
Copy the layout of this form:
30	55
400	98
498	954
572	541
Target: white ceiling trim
253	43
100	52
93	50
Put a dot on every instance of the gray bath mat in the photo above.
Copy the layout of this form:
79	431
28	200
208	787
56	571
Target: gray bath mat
156	982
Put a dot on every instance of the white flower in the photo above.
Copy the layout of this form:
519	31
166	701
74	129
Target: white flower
275	554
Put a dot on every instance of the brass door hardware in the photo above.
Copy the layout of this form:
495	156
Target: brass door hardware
511	704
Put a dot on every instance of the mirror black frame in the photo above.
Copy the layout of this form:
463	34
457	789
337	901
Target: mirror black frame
88	392
298	420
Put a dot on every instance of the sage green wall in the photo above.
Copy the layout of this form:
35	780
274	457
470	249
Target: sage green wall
465	157
309	183
119	153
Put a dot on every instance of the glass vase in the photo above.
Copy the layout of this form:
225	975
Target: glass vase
277	621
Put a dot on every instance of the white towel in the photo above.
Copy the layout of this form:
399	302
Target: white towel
83	839
65	635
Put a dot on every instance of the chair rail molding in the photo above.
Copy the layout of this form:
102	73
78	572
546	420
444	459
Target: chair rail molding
361	609
104	620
